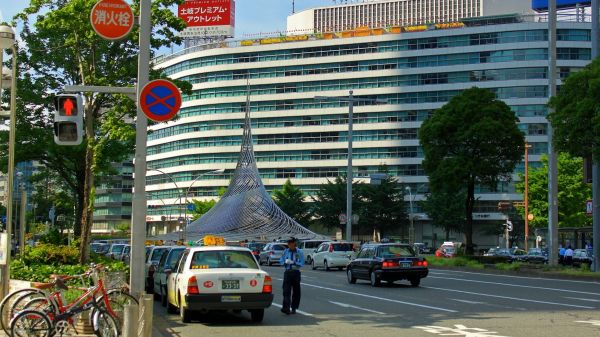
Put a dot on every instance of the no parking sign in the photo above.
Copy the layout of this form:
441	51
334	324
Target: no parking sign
160	100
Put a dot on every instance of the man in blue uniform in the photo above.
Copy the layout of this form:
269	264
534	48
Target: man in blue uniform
292	259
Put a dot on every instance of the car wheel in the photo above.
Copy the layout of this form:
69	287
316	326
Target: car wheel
171	309
326	265
257	315
351	278
313	265
340	268
415	281
375	281
184	313
269	263
163	297
309	260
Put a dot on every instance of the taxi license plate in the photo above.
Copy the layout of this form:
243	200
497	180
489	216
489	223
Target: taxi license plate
406	265
230	284
230	299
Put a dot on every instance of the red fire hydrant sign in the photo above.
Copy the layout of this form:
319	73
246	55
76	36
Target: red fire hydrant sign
112	19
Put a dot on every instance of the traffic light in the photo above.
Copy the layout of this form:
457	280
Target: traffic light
68	120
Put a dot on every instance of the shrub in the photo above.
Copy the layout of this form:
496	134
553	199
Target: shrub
51	254
508	266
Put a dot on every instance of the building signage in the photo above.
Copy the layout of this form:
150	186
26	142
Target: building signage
542	5
208	18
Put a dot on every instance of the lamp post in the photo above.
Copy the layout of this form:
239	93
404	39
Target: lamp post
351	99
526	195
411	216
7	41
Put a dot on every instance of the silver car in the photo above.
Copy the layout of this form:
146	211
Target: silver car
271	253
309	248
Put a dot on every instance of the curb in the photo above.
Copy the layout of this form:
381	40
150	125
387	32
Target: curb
528	273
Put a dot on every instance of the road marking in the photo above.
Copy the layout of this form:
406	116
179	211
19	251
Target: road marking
298	311
512	276
379	298
458	330
344	305
594	323
465	301
582	299
516	285
511	298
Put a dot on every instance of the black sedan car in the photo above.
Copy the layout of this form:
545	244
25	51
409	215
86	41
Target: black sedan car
535	255
581	257
387	262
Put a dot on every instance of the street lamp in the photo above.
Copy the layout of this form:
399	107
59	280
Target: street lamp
218	171
7	41
351	99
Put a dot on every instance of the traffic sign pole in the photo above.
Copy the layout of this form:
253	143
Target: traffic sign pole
138	217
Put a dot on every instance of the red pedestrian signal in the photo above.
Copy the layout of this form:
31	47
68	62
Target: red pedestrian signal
68	120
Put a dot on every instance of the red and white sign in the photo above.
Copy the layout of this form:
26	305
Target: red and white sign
112	19
589	207
253	283
208	17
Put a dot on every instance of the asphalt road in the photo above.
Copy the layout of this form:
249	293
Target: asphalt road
448	303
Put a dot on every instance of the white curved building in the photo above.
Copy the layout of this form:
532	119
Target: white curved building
302	139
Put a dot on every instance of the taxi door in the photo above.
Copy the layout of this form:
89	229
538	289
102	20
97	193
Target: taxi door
173	281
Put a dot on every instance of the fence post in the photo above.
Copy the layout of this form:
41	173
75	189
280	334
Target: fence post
130	320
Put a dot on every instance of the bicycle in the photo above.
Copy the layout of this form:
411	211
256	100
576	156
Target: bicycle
14	302
33	320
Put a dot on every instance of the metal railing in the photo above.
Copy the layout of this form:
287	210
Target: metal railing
283	37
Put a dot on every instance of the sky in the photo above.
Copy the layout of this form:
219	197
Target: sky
252	16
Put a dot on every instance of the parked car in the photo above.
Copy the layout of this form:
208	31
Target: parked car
218	278
309	248
447	249
255	247
332	254
153	256
581	257
271	253
126	253
99	248
166	265
535	255
422	248
115	251
387	262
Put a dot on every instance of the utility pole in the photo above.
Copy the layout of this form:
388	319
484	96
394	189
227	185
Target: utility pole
595	159
351	100
526	195
552	155
23	218
138	217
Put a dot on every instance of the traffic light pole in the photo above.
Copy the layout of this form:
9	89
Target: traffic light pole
138	217
552	155
596	160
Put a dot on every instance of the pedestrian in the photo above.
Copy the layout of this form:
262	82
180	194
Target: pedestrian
292	259
569	256
561	255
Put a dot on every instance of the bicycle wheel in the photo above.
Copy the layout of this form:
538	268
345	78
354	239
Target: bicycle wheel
30	323
42	304
104	324
6	306
118	299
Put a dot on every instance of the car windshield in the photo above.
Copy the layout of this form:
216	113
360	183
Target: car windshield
312	244
535	252
126	249
215	259
278	247
157	254
255	246
396	251
342	247
173	257
116	249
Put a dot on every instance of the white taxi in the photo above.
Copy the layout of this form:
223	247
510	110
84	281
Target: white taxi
218	278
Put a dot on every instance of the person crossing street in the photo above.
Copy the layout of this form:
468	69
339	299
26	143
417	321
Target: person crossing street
292	259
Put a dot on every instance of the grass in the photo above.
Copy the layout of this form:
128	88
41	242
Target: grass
454	262
508	266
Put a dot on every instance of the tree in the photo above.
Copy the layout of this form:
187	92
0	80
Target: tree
330	202
201	208
79	56
472	140
576	116
572	193
446	208
383	205
291	201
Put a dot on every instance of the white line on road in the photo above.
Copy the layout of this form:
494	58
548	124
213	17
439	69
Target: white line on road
465	301
433	271
379	298
511	298
344	305
515	285
298	311
582	299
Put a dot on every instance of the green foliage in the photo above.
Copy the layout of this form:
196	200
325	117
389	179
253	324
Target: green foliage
454	262
201	208
472	140
291	200
330	202
383	205
50	254
53	237
576	116
123	227
572	193
446	208
508	266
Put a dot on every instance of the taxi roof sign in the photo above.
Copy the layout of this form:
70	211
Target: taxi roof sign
211	240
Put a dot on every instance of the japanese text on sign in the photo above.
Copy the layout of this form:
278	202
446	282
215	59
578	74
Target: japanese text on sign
106	15
206	12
